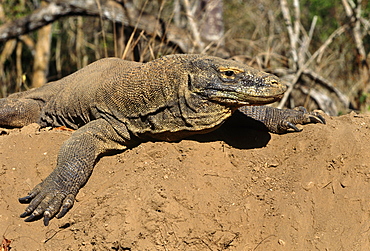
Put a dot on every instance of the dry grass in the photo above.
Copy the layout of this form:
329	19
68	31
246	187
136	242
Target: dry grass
255	33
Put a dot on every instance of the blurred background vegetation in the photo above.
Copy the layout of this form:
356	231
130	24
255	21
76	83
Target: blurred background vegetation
320	48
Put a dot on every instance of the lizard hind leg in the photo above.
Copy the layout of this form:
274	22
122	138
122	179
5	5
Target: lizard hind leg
19	112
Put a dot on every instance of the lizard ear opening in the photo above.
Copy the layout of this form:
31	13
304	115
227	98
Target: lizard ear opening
192	83
197	84
189	82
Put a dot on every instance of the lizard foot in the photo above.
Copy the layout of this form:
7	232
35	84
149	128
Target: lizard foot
292	117
46	200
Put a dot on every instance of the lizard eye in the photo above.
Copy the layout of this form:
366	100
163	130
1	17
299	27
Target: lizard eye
229	73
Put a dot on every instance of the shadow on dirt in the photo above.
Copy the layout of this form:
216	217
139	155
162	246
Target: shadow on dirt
238	131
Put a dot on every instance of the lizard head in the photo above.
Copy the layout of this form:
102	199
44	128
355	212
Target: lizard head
232	83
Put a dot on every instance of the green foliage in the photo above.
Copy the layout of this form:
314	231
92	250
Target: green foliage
328	13
17	8
364	96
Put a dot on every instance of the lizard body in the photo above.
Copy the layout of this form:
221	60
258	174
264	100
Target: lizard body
114	104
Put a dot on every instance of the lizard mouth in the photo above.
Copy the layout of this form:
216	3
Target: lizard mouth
264	100
246	96
251	100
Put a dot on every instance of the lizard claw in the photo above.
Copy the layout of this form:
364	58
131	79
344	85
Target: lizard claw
293	126
46	202
311	117
25	200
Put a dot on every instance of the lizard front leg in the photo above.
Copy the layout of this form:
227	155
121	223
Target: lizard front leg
56	194
281	120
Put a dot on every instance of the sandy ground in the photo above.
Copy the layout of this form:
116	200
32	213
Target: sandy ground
238	189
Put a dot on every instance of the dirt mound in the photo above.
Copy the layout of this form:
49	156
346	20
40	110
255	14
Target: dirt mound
298	191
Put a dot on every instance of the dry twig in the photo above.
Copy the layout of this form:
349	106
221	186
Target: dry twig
292	35
193	26
301	65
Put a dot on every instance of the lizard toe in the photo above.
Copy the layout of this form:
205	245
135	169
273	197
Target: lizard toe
67	204
33	208
53	207
31	195
34	216
309	117
47	217
300	109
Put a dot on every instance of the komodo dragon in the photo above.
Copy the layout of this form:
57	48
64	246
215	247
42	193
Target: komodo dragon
115	104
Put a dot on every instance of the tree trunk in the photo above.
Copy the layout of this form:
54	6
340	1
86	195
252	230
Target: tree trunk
42	55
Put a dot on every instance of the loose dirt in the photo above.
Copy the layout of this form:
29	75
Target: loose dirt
234	190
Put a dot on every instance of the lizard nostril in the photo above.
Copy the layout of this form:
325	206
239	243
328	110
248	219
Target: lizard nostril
274	82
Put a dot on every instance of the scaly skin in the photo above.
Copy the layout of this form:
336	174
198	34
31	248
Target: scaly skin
114	104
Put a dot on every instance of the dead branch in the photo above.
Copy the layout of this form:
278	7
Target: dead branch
304	49
42	55
354	15
328	85
304	67
37	19
319	53
5	54
292	35
353	12
323	101
19	70
193	25
366	25
112	10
